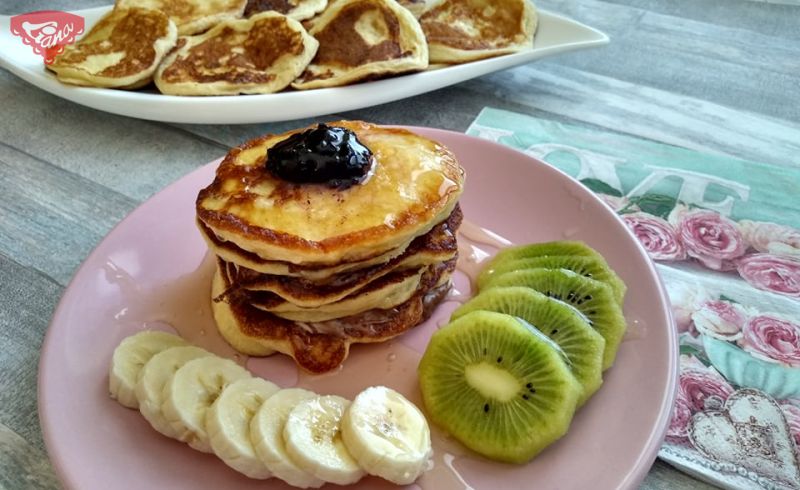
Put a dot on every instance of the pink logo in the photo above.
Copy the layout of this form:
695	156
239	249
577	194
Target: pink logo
47	31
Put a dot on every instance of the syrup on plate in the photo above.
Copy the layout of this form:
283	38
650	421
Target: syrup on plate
184	305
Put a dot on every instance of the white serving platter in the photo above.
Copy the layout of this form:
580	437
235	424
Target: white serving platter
555	35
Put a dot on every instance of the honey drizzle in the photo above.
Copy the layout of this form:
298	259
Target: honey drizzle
182	304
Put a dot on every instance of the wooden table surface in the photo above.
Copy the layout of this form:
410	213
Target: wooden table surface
715	76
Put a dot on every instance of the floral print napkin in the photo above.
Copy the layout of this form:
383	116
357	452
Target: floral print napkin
725	235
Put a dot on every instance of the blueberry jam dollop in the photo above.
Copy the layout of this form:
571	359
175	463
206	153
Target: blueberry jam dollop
325	154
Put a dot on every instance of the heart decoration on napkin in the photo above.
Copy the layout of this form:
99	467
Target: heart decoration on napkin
749	431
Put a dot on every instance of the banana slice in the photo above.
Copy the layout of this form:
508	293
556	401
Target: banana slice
388	435
228	425
154	376
129	357
266	433
314	441
191	391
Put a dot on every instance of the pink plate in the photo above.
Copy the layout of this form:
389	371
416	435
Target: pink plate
151	272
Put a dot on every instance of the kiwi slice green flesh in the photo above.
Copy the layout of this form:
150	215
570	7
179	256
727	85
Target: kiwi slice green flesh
589	267
498	386
563	247
594	299
583	346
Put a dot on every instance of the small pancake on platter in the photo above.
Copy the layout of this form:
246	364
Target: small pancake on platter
259	55
414	185
465	30
319	347
122	50
191	16
416	7
296	9
363	39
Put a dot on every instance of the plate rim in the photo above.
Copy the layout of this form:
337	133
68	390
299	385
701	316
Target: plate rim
638	469
240	109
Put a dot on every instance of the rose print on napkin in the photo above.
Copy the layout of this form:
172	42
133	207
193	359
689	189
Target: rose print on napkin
775	273
658	236
750	431
729	349
766	255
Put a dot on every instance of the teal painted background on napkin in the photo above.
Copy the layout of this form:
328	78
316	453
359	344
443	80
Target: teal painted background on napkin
773	193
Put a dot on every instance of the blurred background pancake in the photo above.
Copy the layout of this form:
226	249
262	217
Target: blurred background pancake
466	30
259	55
361	39
121	51
191	16
395	233
296	9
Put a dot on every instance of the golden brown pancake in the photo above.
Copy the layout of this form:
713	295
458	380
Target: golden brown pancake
230	252
415	184
296	9
466	30
416	7
121	51
321	346
438	245
388	291
191	16
259	55
356	264
362	39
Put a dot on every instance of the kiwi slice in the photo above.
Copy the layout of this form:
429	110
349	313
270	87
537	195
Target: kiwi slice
531	250
594	299
497	385
582	345
590	267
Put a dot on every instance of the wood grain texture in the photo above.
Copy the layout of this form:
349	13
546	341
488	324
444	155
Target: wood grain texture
647	112
719	77
27	299
132	157
22	465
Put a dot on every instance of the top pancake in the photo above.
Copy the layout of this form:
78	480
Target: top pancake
121	51
466	30
191	16
414	184
362	39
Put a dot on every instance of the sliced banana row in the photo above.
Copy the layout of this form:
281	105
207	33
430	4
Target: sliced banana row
262	431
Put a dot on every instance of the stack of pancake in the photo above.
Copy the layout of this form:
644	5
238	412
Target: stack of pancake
307	269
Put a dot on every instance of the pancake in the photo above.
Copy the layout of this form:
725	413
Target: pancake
388	291
361	39
122	50
296	9
259	55
438	245
230	252
191	16
466	30
416	7
414	185
322	346
362	257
